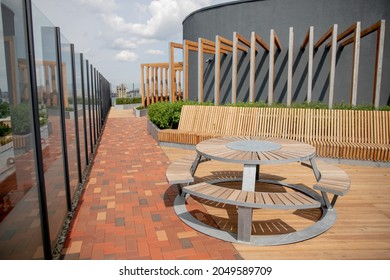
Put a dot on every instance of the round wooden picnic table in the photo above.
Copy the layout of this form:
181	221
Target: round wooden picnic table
253	152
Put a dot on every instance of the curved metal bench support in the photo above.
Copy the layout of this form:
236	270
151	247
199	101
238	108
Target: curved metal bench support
323	224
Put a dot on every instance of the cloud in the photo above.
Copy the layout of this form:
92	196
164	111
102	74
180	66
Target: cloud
165	19
124	44
155	52
126	56
100	5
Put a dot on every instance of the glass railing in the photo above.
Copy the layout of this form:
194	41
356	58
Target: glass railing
20	223
50	123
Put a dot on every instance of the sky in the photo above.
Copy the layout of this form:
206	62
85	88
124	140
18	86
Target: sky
116	36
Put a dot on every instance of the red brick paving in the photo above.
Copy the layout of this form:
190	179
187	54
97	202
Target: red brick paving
126	209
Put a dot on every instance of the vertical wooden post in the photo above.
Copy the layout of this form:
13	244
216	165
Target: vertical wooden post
200	70
234	68
290	66
310	65
252	71
332	66
160	82
147	86
155	88
378	63
271	68
217	66
185	69
355	65
47	83
166	83
172	97
142	86
54	85
179	88
152	83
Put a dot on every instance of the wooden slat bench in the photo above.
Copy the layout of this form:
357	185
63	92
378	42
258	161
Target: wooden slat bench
275	200
180	171
331	180
348	134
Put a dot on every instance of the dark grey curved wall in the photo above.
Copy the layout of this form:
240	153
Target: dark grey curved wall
262	16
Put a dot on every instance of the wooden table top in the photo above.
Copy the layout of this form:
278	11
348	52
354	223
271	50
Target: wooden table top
255	150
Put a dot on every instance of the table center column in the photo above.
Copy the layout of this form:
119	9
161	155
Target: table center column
244	213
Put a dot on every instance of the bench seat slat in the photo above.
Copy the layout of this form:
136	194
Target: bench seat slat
332	179
179	171
234	195
294	199
259	198
304	198
225	195
275	198
283	197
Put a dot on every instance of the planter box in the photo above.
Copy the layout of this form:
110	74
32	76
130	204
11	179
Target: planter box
140	113
23	142
123	106
153	130
6	147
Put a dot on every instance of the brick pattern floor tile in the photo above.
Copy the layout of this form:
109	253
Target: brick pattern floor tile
126	210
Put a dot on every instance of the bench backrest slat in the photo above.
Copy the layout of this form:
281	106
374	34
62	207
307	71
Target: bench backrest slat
305	125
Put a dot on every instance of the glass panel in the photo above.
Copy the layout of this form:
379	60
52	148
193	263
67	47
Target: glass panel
20	225
92	107
87	105
98	124
70	107
51	132
79	93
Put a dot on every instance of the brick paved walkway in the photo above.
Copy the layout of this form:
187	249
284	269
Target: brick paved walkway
126	210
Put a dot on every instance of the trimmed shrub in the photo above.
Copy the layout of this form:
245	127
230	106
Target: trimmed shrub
4	109
20	117
4	129
122	101
126	100
167	114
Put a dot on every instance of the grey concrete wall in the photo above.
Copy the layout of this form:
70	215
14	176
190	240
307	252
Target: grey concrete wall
262	16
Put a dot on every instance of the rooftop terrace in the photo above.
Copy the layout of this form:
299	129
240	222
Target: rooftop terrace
126	210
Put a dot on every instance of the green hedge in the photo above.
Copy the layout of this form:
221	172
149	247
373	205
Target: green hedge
312	105
126	100
167	114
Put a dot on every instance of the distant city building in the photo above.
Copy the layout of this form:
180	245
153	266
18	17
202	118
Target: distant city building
121	91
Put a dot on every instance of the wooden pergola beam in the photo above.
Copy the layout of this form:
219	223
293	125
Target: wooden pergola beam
255	39
332	32
274	42
172	79
237	39
378	27
309	39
